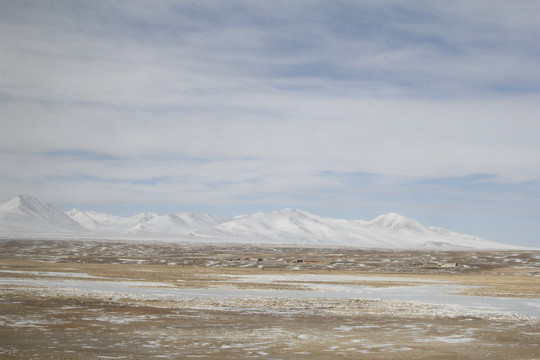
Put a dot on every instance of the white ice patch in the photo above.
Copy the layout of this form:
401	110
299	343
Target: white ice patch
53	274
122	319
454	339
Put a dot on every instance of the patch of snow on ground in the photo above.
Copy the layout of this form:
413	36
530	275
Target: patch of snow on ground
53	274
454	339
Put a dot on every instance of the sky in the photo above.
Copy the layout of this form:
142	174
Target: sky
346	109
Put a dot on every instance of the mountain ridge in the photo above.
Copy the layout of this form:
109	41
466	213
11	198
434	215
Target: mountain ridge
107	223
26	214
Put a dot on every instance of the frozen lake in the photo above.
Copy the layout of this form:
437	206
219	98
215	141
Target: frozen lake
320	286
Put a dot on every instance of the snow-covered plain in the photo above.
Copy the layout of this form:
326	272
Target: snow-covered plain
27	216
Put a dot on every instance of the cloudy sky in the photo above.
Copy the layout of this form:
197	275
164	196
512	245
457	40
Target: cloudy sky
346	109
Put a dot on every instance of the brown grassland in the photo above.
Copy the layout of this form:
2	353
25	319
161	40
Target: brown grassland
43	321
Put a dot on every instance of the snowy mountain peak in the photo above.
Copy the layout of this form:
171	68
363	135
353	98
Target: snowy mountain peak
106	223
396	222
290	213
73	212
29	205
25	202
27	213
144	217
178	223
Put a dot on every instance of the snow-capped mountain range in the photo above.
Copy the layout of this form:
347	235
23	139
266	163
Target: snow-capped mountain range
25	215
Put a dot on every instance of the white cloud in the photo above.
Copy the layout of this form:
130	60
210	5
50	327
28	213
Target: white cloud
315	134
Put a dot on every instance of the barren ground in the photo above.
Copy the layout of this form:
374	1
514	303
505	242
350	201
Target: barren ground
73	299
